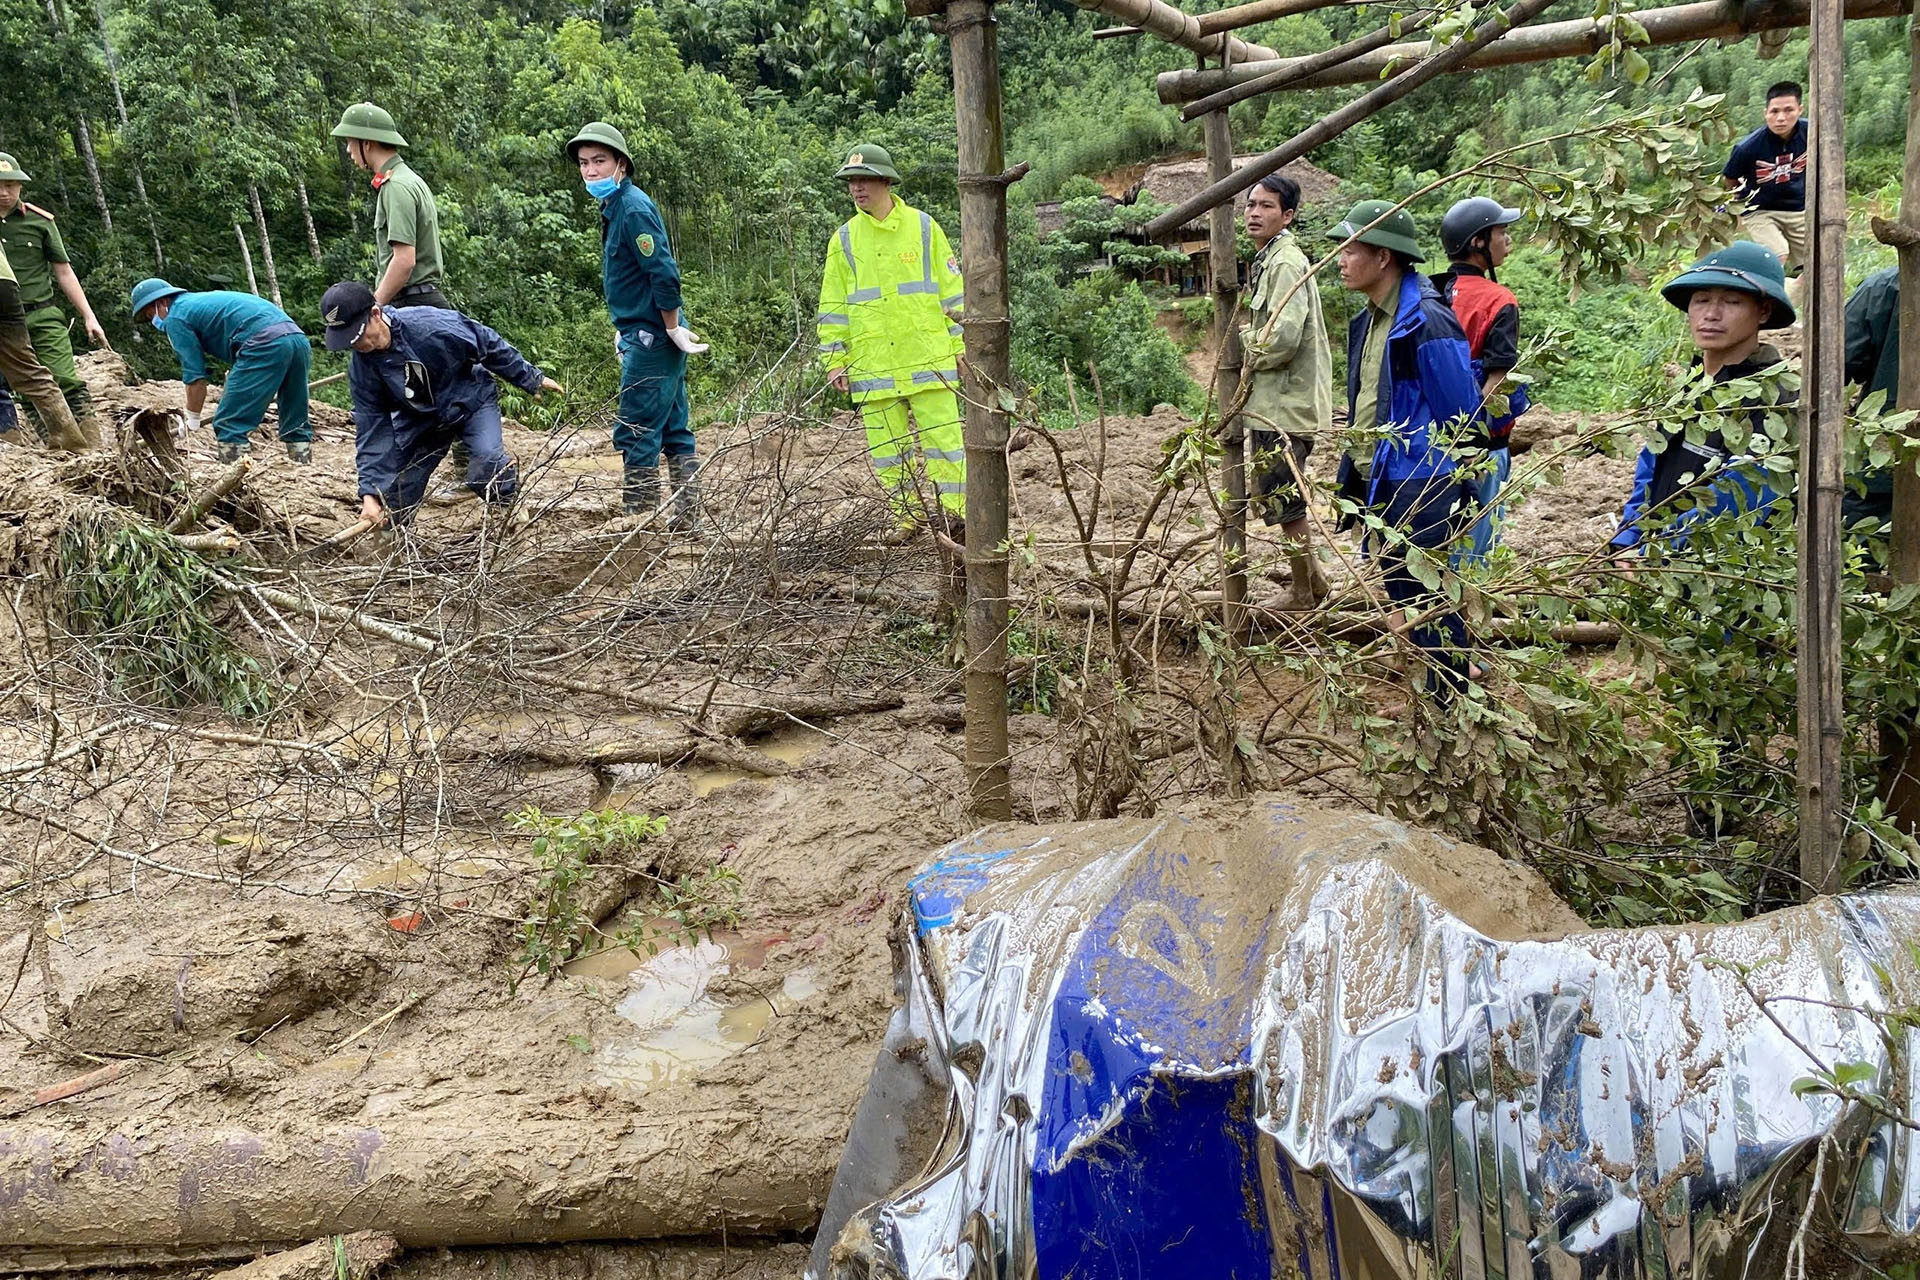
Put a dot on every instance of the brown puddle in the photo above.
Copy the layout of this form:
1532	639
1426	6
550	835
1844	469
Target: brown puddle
792	746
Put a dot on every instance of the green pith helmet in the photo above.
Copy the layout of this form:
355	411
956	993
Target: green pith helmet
10	170
1743	265
150	291
869	160
602	134
368	123
1395	232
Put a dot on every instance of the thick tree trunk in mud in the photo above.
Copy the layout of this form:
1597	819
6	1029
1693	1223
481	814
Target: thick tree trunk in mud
606	1175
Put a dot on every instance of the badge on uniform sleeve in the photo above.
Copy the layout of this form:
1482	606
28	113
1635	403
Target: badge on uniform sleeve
644	243
953	267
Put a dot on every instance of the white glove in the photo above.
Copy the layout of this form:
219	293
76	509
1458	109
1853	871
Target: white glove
619	347
683	338
193	420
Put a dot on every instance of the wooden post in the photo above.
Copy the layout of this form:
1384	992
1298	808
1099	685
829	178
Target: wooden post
1224	262
1823	424
1335	123
1900	781
1905	237
983	250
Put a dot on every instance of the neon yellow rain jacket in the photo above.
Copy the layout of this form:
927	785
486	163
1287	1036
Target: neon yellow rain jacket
890	296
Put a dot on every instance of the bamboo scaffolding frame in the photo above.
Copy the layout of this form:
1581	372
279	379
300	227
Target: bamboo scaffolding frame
1158	18
1338	122
1676	24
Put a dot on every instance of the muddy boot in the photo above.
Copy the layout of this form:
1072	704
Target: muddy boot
58	430
640	490
301	451
81	403
682	471
225	452
1307	586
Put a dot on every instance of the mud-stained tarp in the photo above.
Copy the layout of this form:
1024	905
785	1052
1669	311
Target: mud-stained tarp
1265	1041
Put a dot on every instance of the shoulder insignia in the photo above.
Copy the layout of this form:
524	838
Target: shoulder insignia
953	267
644	243
34	208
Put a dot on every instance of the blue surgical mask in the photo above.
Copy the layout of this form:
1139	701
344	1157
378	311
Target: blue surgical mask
159	322
601	188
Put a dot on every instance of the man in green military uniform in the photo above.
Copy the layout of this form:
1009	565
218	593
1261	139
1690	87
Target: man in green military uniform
406	226
23	369
39	259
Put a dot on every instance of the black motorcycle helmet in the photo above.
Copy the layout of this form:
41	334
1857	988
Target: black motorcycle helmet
1471	218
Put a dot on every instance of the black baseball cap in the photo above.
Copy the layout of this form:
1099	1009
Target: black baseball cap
346	309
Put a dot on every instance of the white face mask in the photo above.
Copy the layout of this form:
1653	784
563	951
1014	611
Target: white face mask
159	321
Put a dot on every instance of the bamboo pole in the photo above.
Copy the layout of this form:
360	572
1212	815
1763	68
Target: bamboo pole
983	239
1247	15
1224	261
1900	740
1156	17
1333	125
1293	69
1676	24
1823	425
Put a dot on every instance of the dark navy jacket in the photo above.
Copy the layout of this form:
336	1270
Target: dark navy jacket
1731	483
1426	381
640	276
438	373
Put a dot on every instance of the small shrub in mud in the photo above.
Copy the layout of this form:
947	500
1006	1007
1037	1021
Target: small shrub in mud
568	850
145	605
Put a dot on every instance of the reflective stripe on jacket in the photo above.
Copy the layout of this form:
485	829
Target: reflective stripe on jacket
890	300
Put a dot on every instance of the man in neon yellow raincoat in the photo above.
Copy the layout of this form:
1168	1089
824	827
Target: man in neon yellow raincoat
890	301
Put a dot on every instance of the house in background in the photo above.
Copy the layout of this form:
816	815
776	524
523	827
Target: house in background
1169	182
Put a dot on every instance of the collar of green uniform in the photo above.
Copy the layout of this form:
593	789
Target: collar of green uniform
393	162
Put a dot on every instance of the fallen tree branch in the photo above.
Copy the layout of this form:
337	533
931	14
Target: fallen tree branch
358	1256
747	719
66	1089
392	632
195	511
381	1021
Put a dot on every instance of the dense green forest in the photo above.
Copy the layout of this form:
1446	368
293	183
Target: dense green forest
171	117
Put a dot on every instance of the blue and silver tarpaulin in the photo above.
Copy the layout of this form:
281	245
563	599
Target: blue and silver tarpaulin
1263	1040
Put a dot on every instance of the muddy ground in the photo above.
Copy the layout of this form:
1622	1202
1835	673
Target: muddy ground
287	954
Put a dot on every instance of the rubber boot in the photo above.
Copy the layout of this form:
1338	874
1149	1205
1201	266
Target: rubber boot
301	451
683	470
1308	586
640	490
58	430
225	452
81	402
